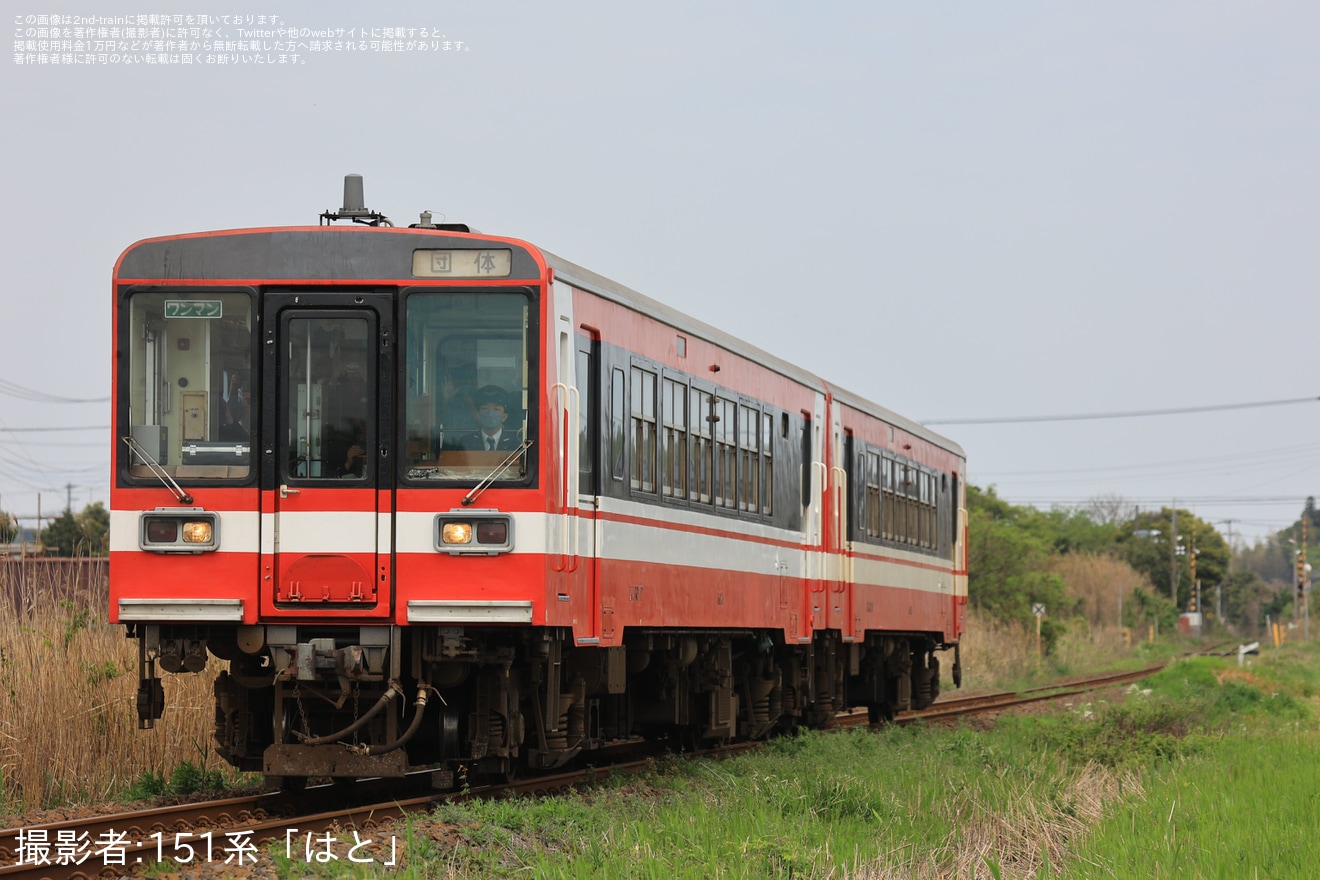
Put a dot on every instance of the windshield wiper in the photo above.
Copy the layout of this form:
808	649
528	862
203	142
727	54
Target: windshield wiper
159	472
503	466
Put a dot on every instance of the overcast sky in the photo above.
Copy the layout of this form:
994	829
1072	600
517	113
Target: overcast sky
959	210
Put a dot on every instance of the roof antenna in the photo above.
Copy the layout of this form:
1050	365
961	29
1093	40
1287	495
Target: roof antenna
354	208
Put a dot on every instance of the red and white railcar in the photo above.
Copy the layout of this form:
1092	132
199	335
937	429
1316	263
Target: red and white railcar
674	534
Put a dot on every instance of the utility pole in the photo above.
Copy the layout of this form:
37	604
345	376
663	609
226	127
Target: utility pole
1196	592
1302	573
68	505
1173	556
1195	604
1219	591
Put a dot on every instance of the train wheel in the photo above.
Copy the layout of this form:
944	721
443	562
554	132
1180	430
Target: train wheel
499	771
881	714
684	738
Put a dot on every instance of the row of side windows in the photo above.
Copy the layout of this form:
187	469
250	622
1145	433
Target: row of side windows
900	501
685	443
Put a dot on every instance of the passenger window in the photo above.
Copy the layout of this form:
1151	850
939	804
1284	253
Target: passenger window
617	402
673	409
749	460
643	434
702	447
726	463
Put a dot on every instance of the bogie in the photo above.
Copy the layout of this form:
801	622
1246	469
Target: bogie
531	700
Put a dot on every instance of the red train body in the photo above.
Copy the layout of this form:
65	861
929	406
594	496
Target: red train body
676	534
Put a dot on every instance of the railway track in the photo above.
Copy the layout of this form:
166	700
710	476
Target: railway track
962	706
346	821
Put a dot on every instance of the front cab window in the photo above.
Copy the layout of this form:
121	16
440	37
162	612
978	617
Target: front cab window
185	384
469	370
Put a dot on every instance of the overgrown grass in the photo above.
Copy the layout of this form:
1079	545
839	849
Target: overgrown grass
68	723
1248	809
901	803
998	655
1196	773
1244	804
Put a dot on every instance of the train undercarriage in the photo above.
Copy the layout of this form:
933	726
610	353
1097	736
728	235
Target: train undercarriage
482	702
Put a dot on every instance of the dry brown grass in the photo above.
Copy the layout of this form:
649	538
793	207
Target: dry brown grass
1096	580
998	655
1016	836
68	723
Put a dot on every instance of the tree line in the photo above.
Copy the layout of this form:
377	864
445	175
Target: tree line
1111	563
70	534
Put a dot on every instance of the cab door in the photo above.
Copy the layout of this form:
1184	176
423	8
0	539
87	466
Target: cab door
327	480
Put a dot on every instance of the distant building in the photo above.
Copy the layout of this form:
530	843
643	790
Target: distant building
27	544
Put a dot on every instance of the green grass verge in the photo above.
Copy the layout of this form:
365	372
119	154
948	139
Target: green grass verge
1249	808
1201	771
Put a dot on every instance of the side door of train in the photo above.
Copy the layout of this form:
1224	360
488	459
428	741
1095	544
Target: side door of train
573	533
813	520
327	484
585	458
838	551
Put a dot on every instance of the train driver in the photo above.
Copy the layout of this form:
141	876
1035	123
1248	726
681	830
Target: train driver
492	417
355	460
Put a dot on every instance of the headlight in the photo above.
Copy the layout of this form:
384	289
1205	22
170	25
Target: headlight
457	533
197	532
474	532
179	530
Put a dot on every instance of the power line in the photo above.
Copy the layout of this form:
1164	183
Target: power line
23	393
1183	501
1128	414
55	443
74	428
1262	471
1261	458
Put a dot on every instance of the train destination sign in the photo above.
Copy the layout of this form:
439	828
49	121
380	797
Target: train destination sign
454	263
194	308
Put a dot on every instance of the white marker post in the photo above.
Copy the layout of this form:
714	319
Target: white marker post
1038	609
